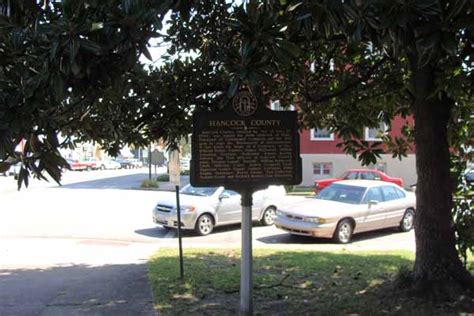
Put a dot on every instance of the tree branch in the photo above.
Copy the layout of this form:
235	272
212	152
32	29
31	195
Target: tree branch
347	88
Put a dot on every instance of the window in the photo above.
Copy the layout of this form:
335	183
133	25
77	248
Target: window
322	169
276	106
5	9
376	133
321	134
369	176
380	166
350	175
373	194
342	193
230	192
400	193
390	193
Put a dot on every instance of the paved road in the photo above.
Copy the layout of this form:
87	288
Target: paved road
81	248
72	250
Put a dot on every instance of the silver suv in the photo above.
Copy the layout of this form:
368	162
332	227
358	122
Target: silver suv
204	208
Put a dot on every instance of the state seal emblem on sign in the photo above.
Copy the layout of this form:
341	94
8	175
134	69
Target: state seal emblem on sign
244	104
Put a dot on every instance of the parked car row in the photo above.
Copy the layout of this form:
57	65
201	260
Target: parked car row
339	211
14	170
112	164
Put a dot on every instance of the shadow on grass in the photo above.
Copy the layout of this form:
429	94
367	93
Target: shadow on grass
286	283
76	290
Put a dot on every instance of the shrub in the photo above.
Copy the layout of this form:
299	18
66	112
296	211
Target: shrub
163	178
289	188
149	184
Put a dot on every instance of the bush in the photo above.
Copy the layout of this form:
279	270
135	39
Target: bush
149	184
463	210
163	178
289	188
185	172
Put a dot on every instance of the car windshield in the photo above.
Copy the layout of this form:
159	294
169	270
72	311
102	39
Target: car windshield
342	193
205	191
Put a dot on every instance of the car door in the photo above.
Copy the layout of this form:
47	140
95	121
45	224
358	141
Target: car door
394	205
228	208
374	216
258	201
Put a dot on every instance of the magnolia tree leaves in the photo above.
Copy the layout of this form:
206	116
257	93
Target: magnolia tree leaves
60	61
71	67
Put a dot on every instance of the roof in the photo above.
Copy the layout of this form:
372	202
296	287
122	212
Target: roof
365	183
364	170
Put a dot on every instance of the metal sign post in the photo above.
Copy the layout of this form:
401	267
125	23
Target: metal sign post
149	162
178	210
246	280
175	178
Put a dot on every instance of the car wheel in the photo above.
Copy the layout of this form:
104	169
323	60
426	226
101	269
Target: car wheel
204	225
343	233
102	167
407	221
268	217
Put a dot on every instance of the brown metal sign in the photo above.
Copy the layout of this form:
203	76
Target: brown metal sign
245	146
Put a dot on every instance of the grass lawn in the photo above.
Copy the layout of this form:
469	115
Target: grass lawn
304	191
286	283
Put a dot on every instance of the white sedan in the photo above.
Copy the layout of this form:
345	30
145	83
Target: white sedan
348	207
204	208
108	164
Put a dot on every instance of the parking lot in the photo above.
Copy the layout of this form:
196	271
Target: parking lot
107	205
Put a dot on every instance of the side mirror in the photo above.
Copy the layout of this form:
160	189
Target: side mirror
373	202
224	195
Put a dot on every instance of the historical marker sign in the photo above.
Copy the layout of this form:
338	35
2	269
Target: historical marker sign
245	146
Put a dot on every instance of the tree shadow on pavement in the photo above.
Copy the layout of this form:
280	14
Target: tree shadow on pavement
77	290
286	238
115	182
161	232
124	182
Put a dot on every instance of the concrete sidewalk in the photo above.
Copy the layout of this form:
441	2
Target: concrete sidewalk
74	277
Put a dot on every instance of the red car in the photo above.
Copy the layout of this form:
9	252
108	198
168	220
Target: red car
363	174
76	165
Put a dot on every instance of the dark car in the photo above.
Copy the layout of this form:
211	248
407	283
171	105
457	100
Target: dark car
125	163
469	176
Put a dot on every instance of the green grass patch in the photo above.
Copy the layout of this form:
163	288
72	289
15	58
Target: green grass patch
285	282
303	191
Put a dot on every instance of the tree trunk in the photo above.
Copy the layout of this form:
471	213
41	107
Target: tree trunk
437	265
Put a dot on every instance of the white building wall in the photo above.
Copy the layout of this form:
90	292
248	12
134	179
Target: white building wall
405	168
